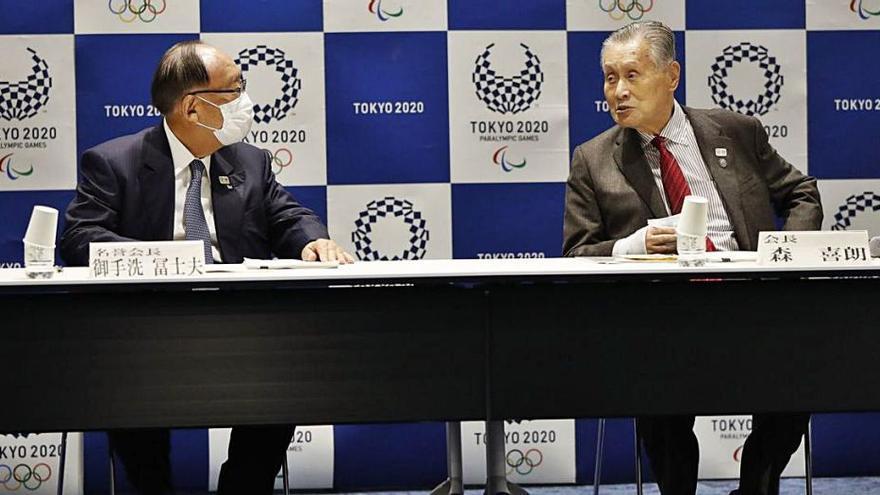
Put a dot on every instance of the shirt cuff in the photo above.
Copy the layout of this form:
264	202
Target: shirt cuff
632	244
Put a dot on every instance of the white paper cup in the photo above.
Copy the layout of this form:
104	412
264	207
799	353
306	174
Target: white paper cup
694	216
43	226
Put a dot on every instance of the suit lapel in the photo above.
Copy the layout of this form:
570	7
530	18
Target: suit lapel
631	161
710	137
156	180
227	184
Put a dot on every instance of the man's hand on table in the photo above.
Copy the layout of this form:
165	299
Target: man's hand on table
660	240
326	250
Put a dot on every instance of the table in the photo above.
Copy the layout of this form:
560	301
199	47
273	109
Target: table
436	340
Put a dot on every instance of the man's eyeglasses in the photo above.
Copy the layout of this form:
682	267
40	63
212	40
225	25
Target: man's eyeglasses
242	86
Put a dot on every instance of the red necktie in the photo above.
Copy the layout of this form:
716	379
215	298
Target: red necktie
674	183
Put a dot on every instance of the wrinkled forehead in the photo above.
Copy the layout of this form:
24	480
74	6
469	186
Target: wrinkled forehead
629	53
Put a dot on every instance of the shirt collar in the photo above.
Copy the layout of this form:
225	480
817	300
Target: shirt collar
675	130
180	155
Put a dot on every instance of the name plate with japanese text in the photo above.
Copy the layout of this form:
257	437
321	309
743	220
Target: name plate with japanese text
137	260
812	248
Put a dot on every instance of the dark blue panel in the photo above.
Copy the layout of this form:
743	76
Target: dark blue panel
507	219
846	444
586	118
96	474
189	459
618	463
842	104
507	14
228	16
16	207
312	197
113	75
42	17
747	14
372	457
189	462
404	73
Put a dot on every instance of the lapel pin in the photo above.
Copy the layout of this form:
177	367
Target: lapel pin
720	152
723	162
224	179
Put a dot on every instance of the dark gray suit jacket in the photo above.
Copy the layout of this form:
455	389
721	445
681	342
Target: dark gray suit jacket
611	191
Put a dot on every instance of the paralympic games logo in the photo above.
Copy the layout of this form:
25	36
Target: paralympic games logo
129	10
508	94
858	6
375	7
500	158
32	478
281	159
390	207
618	9
523	463
290	81
770	69
20	100
855	205
12	172
737	454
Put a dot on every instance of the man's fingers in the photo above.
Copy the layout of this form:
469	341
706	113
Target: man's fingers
323	254
308	253
325	250
663	239
340	256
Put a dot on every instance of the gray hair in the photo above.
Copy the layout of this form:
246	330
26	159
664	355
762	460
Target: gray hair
661	40
180	69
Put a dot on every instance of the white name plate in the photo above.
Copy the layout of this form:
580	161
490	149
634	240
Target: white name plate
146	260
801	249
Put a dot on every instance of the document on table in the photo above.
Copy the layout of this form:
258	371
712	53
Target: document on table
275	264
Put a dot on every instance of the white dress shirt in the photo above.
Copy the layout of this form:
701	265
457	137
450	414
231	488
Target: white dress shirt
681	142
182	157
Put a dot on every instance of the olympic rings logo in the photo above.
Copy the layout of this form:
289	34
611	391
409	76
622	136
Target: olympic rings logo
281	159
523	464
129	10
23	475
618	9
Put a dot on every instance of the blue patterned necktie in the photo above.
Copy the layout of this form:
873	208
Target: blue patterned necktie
195	225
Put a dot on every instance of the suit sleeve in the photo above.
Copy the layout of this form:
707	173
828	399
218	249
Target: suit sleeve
291	225
795	196
583	227
93	214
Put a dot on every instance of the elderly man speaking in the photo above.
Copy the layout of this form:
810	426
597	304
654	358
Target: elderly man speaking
642	168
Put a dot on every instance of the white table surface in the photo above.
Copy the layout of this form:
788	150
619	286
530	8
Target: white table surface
389	271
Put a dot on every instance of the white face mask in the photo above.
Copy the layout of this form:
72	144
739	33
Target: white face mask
238	116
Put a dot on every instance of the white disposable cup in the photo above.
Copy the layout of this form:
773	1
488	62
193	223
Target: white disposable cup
43	226
39	242
694	216
691	231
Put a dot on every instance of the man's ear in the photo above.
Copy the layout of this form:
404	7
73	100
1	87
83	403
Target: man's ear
187	108
674	71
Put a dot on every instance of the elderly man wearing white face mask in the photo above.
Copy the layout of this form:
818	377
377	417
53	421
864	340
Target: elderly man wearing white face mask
190	177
